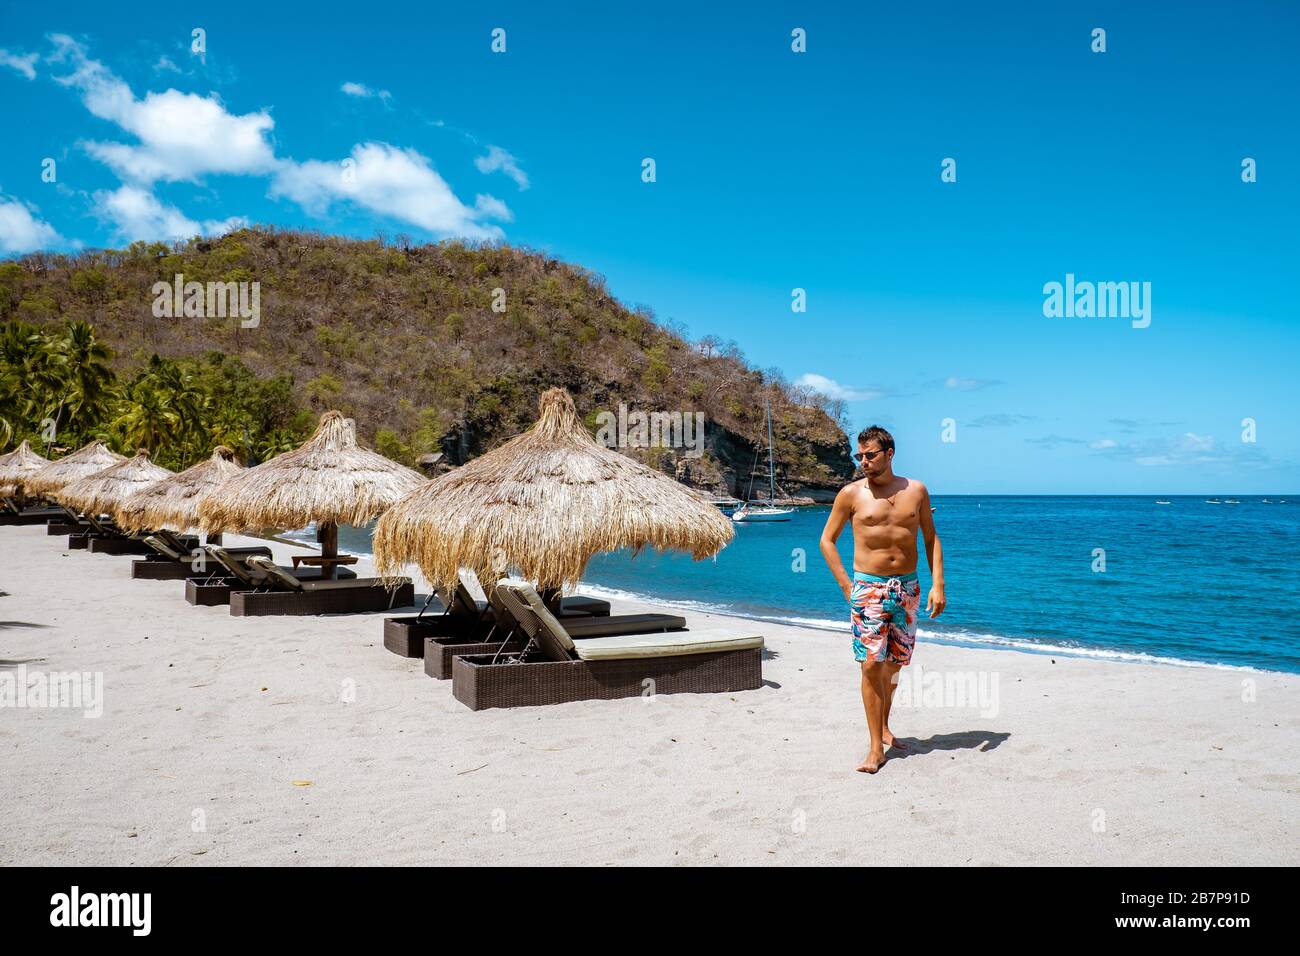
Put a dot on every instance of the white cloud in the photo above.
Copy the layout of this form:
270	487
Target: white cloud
498	159
966	384
139	214
136	213
182	136
219	227
21	231
999	420
165	63
1191	442
492	208
399	183
1055	441
833	389
364	92
1188	448
24	63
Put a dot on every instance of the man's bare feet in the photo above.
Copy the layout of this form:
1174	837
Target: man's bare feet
873	762
891	741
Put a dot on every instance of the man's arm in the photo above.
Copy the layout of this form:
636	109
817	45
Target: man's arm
840	514
935	602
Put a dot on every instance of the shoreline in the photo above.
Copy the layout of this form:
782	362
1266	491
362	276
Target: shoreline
987	641
990	642
303	741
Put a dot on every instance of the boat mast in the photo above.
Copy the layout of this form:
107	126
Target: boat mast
753	470
771	460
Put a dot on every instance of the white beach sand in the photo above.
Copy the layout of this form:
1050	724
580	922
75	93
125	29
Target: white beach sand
1084	761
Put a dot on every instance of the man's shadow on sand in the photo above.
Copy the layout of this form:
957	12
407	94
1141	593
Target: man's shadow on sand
981	740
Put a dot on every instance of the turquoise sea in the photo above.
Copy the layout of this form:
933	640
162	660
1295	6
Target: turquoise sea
1188	582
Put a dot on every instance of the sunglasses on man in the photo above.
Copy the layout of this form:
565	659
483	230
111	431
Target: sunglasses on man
861	456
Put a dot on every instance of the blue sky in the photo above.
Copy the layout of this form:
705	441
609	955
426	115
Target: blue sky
775	171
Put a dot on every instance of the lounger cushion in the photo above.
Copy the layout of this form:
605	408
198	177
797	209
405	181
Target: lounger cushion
670	644
234	567
342	584
270	571
622	624
289	581
585	605
527	594
163	547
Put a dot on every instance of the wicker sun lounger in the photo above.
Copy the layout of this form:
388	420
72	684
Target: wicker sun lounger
555	668
84	528
508	636
37	514
172	561
100	535
228	573
66	521
113	541
464	618
280	592
450	617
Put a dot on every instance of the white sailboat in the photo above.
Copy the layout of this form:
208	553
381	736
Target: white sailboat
751	512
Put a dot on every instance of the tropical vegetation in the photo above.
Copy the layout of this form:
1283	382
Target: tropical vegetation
59	389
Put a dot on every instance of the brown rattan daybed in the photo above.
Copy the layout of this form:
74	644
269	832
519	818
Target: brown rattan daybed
66	521
506	634
12	514
464	618
554	667
99	534
229	573
281	592
172	561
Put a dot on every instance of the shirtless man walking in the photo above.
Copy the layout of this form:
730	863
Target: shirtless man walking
886	510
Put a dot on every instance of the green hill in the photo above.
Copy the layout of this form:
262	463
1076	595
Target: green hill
405	339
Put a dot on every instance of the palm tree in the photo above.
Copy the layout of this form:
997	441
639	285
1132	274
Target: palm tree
145	420
87	391
173	390
275	443
27	379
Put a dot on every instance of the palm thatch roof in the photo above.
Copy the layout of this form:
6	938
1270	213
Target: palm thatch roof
104	491
18	466
544	503
82	463
329	479
173	503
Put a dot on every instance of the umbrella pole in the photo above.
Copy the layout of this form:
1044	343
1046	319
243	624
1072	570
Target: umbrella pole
327	533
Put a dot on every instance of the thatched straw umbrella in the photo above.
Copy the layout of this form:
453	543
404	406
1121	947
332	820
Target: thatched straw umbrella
82	463
104	491
329	479
544	502
173	503
17	467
